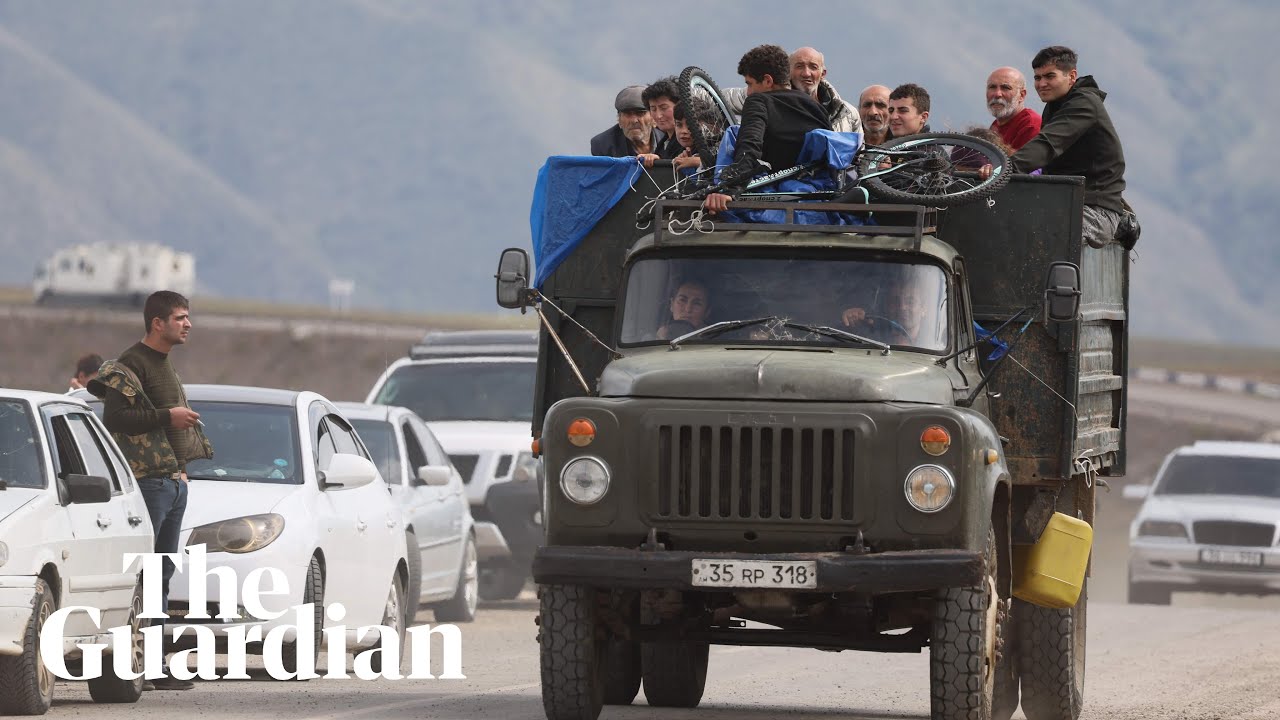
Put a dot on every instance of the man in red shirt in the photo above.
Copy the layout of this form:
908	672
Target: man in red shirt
1006	95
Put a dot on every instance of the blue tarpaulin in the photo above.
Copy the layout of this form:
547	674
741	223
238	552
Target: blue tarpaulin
571	196
574	193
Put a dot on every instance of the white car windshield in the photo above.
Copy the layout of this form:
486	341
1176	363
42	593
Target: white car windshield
251	443
1221	475
901	304
20	464
501	391
380	439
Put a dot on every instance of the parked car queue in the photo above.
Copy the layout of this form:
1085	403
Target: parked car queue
292	485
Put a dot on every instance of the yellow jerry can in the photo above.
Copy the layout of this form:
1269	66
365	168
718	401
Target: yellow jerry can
1051	572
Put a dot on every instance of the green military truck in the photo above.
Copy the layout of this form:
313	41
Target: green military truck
828	450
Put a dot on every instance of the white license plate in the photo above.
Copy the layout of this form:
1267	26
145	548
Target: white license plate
1217	556
755	573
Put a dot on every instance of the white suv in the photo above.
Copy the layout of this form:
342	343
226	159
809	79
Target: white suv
1210	523
475	390
69	511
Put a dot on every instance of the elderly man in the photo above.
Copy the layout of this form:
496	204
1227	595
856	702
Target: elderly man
808	73
634	134
873	109
908	110
1077	138
1006	97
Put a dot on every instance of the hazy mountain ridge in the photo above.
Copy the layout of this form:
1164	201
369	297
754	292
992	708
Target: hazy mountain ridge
395	142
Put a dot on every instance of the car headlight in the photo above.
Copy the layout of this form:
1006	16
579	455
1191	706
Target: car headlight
4	553
526	469
239	535
929	488
585	480
1163	528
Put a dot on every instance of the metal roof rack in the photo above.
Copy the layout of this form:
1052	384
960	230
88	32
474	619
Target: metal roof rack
912	221
469	343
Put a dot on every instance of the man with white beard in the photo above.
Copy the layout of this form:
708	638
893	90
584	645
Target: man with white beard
1006	95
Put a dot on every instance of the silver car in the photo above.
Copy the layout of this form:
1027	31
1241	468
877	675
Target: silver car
1209	523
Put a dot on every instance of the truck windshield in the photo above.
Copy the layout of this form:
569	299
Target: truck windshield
902	304
498	391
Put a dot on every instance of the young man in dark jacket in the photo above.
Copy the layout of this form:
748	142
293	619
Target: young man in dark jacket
775	119
1077	138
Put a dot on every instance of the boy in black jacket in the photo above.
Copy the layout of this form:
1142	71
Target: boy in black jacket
1077	138
775	119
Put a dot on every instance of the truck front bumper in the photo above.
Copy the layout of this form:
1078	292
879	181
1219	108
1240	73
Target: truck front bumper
622	568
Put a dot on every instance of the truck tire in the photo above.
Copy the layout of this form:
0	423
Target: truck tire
111	688
622	671
1052	659
571	651
963	657
1149	594
26	685
674	672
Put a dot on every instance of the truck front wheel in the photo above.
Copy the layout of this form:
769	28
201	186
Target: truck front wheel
674	672
964	660
571	643
1052	659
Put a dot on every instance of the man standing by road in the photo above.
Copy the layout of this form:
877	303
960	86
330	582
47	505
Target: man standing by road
634	134
1077	138
873	109
145	408
1006	99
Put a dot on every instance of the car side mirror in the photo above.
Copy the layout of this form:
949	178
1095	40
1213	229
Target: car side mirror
347	471
87	489
1062	292
1136	491
513	279
433	475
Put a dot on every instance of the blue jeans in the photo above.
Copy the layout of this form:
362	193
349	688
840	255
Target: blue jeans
166	500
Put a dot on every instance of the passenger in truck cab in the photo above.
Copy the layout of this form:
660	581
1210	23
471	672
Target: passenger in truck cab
689	308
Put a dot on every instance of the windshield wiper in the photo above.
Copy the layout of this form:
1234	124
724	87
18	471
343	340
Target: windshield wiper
228	478
838	334
721	327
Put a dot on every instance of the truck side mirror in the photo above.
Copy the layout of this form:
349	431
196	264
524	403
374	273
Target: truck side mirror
513	278
1062	292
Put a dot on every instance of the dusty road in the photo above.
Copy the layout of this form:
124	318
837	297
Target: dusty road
1143	663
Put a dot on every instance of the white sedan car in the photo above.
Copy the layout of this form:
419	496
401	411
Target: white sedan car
291	486
1210	523
69	511
443	573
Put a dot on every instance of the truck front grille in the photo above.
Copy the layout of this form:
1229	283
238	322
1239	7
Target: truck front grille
1240	534
755	473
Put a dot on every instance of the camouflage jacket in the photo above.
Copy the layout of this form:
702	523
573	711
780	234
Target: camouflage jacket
149	454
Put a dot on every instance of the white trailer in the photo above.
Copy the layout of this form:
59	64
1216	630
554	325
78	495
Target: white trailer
112	274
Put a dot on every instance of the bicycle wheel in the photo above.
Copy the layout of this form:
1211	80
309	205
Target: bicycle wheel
935	169
695	83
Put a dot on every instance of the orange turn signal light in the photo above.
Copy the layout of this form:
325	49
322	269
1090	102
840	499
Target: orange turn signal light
935	440
582	432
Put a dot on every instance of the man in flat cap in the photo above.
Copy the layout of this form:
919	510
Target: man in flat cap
634	134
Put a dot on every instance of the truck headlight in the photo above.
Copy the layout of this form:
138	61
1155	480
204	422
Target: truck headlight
1163	528
4	553
929	488
239	535
585	480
